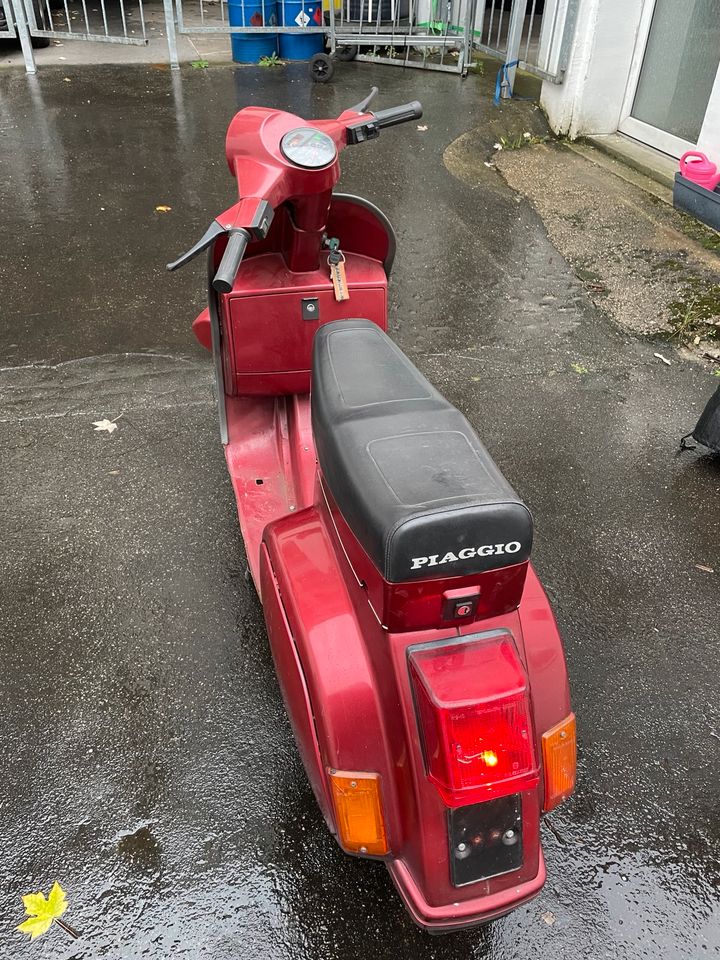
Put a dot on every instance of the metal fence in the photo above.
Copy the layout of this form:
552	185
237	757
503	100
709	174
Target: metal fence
7	24
211	16
120	22
435	35
533	35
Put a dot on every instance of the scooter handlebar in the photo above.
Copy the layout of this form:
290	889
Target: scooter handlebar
370	129
402	114
230	263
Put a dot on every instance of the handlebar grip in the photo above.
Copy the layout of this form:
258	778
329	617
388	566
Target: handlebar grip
402	114
230	263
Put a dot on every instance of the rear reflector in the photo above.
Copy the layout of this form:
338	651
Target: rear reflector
559	747
474	716
358	812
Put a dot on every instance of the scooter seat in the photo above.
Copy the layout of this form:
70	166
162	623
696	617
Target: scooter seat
410	476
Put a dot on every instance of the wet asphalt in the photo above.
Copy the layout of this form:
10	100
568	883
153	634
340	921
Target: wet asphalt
147	762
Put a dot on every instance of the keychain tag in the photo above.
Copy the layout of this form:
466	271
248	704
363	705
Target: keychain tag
336	262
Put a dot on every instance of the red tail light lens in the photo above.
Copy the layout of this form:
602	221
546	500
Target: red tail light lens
474	715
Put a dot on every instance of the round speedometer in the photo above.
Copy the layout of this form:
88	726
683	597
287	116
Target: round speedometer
309	148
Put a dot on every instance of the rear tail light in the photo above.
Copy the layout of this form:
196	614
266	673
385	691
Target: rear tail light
358	812
559	747
474	715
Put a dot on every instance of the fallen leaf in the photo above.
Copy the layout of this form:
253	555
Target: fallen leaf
579	368
422	127
664	359
108	425
701	566
42	912
549	918
163	208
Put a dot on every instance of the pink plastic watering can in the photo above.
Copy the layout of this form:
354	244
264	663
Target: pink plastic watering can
695	166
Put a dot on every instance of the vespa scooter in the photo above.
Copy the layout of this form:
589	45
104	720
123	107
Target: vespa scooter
417	654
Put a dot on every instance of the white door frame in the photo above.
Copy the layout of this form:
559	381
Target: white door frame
645	132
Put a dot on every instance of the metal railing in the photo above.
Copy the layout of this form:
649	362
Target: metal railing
536	41
431	34
7	31
210	16
409	33
121	22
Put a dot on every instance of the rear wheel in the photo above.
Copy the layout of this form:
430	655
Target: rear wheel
321	68
346	54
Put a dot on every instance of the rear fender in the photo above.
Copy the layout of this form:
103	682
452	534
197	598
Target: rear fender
343	705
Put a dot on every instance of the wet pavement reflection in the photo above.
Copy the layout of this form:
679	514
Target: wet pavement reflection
147	763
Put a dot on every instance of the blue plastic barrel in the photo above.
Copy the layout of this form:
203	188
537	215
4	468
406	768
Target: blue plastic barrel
249	47
301	13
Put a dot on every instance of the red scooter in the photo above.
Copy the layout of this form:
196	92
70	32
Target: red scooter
416	651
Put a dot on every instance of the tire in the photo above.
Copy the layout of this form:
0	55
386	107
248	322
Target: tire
321	68
346	54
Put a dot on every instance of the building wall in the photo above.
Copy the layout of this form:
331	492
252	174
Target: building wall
591	97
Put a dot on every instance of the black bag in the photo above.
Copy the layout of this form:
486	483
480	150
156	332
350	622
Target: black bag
707	431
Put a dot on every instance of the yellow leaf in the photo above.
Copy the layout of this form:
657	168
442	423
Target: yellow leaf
35	926
163	208
42	912
56	901
34	903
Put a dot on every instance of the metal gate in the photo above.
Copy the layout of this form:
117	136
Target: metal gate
7	21
429	34
104	21
532	35
527	34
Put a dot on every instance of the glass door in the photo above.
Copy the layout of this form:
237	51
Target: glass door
674	86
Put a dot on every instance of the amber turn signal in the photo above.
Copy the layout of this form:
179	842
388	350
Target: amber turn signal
358	811
559	747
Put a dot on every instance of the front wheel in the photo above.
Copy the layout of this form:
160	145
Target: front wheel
321	68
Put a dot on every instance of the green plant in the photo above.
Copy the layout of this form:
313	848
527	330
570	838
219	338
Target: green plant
272	61
199	64
514	141
695	315
703	235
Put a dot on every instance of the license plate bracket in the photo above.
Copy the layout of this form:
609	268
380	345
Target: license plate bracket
485	839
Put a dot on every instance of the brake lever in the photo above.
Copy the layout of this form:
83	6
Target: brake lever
214	231
364	104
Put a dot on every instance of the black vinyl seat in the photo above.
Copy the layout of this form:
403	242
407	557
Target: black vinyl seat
414	483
